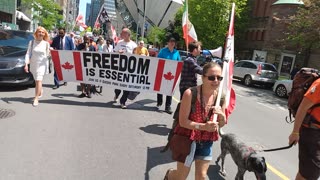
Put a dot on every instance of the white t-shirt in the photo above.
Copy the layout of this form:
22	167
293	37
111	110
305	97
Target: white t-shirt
127	47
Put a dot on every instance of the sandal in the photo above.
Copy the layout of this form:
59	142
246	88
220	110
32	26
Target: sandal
35	103
166	177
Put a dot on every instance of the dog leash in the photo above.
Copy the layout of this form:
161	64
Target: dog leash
277	149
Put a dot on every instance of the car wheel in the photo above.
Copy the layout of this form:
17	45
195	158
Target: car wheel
247	80
281	91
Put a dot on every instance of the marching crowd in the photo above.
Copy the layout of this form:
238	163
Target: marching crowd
194	123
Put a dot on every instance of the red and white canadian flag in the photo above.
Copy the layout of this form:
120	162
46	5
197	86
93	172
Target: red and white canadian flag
67	65
79	21
167	75
114	35
227	71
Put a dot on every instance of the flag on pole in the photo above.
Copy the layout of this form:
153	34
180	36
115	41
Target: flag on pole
227	71
189	33
103	17
114	34
79	21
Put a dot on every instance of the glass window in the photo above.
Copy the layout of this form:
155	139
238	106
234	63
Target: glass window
249	65
269	67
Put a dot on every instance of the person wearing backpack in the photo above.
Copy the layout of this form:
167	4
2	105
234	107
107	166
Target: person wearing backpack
306	132
197	126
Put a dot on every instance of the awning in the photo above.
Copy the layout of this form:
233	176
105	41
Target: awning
21	16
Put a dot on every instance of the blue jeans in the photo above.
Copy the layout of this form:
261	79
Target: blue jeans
56	80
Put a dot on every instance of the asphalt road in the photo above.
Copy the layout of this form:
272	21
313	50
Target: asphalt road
71	138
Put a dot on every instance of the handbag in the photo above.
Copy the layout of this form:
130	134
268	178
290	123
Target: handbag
50	68
50	64
180	147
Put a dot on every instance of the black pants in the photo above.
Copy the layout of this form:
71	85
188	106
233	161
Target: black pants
124	96
168	100
181	92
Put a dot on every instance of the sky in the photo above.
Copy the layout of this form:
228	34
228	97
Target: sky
82	7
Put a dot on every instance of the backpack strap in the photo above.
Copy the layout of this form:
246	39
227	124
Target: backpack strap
194	92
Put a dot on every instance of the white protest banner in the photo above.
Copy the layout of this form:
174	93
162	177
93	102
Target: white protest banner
119	71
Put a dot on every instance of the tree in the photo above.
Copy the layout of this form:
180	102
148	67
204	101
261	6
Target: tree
156	35
304	28
46	12
211	20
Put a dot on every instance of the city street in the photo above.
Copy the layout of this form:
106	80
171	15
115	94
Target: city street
71	138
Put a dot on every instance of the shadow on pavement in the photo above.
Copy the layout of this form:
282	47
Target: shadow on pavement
213	172
13	88
155	158
159	129
110	104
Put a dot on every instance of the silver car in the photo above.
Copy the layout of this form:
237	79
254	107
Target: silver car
282	88
255	72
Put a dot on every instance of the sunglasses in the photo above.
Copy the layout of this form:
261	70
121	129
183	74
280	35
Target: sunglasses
213	78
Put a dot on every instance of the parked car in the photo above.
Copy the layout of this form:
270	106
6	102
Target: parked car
13	48
282	88
183	54
202	60
255	72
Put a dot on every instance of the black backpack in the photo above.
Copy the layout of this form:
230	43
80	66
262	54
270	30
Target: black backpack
300	85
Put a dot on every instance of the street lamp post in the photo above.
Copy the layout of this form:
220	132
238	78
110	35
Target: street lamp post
144	18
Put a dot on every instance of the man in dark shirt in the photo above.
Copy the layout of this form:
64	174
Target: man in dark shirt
190	68
294	71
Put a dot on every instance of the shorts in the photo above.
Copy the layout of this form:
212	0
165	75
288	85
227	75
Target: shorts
203	150
309	153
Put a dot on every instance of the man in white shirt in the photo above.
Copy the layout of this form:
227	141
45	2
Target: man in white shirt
126	45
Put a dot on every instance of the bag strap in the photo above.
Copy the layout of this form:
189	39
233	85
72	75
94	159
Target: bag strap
194	92
30	50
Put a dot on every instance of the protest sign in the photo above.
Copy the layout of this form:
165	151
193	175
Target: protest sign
119	71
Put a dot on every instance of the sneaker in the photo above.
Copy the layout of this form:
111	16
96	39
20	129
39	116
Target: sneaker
168	110
115	99
89	95
82	95
55	87
65	83
123	106
158	106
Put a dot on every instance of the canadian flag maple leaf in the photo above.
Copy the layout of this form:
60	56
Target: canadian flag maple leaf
168	76
67	66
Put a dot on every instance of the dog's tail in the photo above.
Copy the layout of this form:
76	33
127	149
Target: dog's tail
221	133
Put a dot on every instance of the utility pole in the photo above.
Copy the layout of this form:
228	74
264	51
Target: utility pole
144	17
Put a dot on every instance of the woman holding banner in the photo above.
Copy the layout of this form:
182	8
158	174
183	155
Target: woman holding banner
198	126
37	56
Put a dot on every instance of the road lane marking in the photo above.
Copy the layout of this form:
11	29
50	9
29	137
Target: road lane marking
282	108
266	105
278	173
271	168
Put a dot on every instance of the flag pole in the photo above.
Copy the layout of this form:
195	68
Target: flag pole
226	60
187	13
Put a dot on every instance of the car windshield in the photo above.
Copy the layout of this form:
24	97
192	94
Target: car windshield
269	67
14	41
